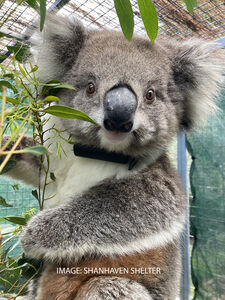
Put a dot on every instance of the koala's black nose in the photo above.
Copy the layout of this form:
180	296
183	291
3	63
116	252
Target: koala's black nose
119	108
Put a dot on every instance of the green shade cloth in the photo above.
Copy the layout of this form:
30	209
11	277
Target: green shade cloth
207	212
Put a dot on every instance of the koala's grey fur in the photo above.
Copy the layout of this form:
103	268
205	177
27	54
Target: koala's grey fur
113	288
105	209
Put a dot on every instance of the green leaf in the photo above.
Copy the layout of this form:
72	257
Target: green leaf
10	165
29	267
4	203
51	98
22	70
51	87
9	75
34	69
15	187
149	18
48	86
20	50
52	176
8	85
126	17
36	150
33	4
12	100
42	13
14	220
52	82
68	113
64	86
3	56
35	194
191	4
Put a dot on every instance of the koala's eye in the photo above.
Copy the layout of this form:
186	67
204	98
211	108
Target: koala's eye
90	89
150	96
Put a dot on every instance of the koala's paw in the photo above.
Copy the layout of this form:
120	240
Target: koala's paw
43	235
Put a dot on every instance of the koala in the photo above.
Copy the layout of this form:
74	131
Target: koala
118	200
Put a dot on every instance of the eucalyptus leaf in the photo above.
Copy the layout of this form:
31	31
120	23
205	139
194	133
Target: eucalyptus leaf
149	18
36	150
32	266
33	4
34	69
9	75
3	56
22	70
12	100
14	220
68	113
126	17
35	194
52	176
64	86
8	85
42	13
10	165
2	34
48	86
52	82
15	186
20	50
4	203
191	4
51	99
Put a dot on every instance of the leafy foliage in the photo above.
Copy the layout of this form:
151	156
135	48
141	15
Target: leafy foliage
15	272
149	18
68	113
148	14
126	17
20	51
4	203
191	4
26	111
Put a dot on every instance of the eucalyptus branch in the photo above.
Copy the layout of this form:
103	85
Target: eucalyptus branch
3	114
12	137
45	181
26	284
11	151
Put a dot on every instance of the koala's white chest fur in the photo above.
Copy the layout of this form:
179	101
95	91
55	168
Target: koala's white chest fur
75	175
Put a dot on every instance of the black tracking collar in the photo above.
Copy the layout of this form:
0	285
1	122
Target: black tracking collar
101	154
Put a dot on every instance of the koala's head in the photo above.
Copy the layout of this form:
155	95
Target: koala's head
140	94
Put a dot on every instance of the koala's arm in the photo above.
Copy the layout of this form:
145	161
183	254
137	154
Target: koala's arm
27	165
116	217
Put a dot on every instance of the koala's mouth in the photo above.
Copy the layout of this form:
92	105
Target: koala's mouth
114	140
115	136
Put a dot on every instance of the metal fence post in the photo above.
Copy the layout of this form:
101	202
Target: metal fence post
185	243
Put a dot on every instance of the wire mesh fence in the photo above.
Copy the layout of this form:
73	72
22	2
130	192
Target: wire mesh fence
208	22
207	174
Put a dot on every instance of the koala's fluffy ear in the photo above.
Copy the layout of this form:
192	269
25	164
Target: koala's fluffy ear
197	68
56	48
